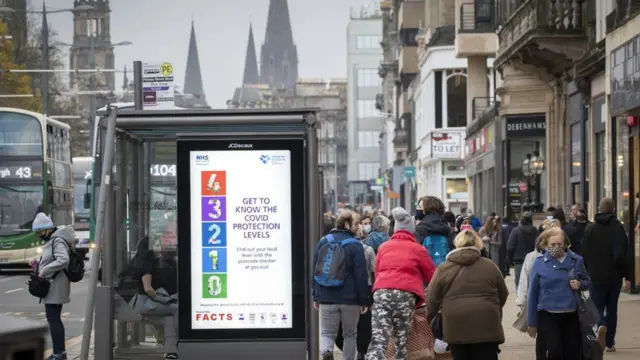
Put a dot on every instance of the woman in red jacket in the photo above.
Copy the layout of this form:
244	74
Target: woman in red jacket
402	268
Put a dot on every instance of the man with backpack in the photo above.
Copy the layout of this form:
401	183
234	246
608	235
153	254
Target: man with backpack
340	284
434	232
57	268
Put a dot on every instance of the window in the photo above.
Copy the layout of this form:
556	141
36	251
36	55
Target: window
330	130
457	101
368	171
368	41
368	139
600	164
20	135
456	189
576	149
366	108
369	78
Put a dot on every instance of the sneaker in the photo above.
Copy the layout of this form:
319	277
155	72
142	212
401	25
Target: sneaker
62	356
610	349
360	356
171	356
602	334
327	356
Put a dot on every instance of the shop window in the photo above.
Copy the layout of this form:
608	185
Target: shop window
457	101
576	149
600	144
456	189
624	199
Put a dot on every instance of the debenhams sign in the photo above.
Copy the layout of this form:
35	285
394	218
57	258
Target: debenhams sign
526	125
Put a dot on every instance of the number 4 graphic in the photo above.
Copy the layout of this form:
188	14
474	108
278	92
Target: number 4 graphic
212	184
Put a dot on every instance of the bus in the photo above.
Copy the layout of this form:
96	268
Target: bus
35	176
82	170
163	202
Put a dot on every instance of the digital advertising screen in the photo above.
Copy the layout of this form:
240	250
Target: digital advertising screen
241	230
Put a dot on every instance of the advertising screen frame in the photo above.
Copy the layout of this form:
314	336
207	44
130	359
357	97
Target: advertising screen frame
296	148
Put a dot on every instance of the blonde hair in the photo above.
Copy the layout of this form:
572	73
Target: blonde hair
548	224
554	231
468	238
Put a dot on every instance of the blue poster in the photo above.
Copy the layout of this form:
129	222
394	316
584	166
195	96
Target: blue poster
214	260
214	234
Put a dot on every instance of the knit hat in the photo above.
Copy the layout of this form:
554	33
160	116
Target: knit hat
42	222
403	220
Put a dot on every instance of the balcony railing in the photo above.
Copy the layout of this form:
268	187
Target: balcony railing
553	16
480	105
477	17
626	9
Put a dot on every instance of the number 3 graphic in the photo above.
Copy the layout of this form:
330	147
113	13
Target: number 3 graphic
216	231
216	208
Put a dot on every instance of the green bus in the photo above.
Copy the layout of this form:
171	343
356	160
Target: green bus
35	176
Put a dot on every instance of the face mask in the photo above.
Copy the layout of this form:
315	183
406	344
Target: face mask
366	228
556	252
44	236
549	217
466	227
419	214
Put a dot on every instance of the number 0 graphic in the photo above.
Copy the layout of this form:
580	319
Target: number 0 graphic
216	231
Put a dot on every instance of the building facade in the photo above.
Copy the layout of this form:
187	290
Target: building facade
364	121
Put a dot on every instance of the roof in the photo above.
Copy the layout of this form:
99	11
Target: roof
193	76
443	36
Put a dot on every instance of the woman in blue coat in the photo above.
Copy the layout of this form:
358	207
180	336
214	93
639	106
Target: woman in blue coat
552	302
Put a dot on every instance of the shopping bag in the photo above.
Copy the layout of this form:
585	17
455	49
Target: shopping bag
521	324
591	349
421	341
587	310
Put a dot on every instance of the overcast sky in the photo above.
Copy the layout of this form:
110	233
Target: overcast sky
159	30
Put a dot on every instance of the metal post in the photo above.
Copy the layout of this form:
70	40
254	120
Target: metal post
105	187
140	189
137	85
121	238
108	266
133	207
313	186
147	188
92	87
44	77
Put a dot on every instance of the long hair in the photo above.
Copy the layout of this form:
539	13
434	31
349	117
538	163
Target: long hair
468	238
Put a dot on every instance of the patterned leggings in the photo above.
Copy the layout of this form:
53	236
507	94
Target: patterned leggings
392	314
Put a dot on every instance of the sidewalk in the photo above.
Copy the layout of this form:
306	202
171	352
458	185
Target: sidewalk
519	346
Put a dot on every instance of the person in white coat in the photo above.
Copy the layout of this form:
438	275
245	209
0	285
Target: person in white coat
53	261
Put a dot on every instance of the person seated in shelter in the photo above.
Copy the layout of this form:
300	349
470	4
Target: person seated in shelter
157	295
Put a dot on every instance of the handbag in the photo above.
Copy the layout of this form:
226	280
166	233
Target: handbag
521	324
436	323
38	286
420	342
588	313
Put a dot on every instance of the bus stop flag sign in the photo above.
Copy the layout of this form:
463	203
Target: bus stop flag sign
158	86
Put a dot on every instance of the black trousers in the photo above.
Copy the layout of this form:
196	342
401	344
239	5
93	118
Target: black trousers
561	335
364	333
481	351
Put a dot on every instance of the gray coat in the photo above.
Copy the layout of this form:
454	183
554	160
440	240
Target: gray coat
55	259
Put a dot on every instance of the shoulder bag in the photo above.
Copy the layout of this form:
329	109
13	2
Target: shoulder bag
436	323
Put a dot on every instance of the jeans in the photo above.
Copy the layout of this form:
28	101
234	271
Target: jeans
363	337
518	270
484	351
164	315
56	328
561	335
605	297
331	315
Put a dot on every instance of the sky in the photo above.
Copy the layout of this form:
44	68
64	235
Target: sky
159	31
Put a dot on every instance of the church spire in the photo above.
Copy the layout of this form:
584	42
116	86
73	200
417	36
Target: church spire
279	56
125	80
251	75
193	77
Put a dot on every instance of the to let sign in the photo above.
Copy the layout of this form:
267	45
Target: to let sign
446	145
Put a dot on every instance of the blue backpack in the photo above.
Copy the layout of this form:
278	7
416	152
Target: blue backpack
330	267
438	248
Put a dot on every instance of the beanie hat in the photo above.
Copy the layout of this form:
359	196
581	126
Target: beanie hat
42	222
403	220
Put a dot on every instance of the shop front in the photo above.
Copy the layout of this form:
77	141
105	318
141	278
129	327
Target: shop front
481	157
523	148
625	140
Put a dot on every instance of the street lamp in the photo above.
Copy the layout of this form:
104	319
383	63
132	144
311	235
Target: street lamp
532	168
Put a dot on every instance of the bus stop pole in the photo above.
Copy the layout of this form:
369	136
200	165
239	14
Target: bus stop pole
313	346
107	158
122	240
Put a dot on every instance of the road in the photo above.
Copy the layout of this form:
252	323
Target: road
16	301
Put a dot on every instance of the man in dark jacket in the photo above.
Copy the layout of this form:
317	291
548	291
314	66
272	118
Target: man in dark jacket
576	229
522	241
604	249
507	228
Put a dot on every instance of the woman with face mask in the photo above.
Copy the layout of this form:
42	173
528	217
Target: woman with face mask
552	306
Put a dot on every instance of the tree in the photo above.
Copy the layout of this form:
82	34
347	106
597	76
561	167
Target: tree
12	83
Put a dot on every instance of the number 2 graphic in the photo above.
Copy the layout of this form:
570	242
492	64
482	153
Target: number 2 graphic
216	231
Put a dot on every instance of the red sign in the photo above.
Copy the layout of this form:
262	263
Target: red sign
522	186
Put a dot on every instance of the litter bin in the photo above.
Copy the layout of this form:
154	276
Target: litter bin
21	339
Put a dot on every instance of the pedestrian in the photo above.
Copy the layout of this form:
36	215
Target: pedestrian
491	235
578	226
56	250
475	222
521	242
379	232
403	266
507	227
340	284
366	225
433	231
552	304
451	219
604	249
551	212
470	292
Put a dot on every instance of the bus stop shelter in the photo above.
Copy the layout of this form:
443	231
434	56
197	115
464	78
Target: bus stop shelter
285	142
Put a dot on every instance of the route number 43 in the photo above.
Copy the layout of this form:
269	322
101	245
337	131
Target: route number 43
23	172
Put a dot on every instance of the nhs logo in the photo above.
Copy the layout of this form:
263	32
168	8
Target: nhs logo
202	159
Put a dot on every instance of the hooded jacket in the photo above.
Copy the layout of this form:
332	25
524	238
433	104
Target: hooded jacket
403	264
434	224
604	249
53	261
472	302
375	239
522	241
